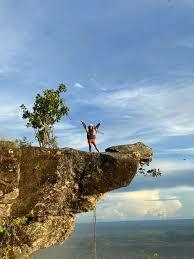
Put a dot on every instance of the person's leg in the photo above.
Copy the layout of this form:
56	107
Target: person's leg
90	147
96	147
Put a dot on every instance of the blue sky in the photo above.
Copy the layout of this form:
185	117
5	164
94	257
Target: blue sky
127	64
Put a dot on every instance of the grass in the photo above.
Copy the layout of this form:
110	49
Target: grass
5	143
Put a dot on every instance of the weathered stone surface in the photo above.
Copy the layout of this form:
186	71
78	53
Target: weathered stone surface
138	148
51	186
9	178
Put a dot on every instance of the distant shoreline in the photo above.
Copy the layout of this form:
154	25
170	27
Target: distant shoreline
130	221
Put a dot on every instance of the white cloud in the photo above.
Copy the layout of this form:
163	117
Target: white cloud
183	151
137	205
78	85
64	126
154	111
71	139
12	124
173	166
180	190
9	109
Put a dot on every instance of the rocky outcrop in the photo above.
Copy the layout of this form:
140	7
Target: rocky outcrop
50	186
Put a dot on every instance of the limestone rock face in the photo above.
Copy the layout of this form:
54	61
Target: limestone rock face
50	186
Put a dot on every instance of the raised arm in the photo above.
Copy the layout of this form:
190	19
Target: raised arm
84	125
97	126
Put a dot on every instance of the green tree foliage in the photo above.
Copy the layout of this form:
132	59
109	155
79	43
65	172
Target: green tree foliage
48	109
154	172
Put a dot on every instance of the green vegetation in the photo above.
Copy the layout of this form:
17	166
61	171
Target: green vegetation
154	256
8	235
151	172
48	109
5	143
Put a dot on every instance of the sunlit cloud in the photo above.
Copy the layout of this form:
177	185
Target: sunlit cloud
137	205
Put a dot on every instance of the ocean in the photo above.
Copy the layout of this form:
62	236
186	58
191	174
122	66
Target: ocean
167	239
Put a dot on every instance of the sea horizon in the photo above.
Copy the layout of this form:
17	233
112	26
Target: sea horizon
138	220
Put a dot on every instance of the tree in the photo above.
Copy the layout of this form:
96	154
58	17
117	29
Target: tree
48	109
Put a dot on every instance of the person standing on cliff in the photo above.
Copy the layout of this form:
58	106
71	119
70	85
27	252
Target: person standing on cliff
91	131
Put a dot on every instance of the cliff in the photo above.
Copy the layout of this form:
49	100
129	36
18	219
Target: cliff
49	187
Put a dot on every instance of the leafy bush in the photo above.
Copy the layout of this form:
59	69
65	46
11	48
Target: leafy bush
151	172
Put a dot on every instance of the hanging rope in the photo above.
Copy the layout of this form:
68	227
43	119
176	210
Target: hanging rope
94	229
